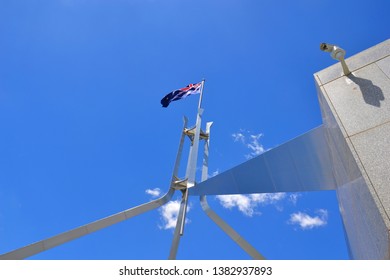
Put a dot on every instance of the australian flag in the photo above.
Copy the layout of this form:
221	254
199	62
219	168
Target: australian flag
181	93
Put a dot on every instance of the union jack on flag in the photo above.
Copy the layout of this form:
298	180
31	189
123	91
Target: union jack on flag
181	93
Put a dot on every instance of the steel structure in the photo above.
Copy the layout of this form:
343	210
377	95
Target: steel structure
195	134
348	153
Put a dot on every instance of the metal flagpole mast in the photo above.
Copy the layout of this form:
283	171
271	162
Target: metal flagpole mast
201	94
194	135
182	185
193	157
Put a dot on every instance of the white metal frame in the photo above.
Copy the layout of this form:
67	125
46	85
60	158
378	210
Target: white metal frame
195	134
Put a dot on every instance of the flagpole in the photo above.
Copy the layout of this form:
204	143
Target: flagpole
190	177
201	94
193	156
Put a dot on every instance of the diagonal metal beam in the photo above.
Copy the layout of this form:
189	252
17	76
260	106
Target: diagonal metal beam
251	251
179	153
179	226
213	216
46	244
62	238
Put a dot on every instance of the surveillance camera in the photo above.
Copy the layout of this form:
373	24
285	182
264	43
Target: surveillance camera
336	53
327	47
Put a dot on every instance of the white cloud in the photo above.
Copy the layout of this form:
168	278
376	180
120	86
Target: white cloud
169	213
251	141
306	221
153	192
247	204
267	198
238	137
293	198
242	202
255	146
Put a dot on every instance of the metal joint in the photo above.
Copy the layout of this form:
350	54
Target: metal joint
191	134
180	184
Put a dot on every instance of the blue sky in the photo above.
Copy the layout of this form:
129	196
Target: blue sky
83	134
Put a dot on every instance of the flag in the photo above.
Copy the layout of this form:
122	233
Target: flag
181	93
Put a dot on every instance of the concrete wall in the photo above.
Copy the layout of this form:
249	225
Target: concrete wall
356	114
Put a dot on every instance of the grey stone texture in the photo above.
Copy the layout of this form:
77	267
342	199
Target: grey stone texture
356	114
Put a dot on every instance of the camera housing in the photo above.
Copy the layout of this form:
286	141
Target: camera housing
336	53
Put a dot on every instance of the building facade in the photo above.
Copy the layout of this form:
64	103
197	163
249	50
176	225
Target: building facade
356	116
